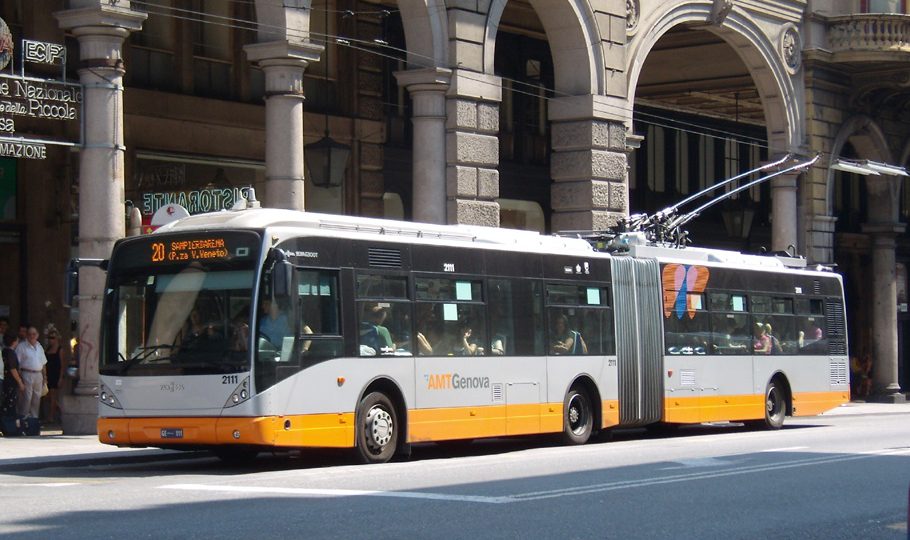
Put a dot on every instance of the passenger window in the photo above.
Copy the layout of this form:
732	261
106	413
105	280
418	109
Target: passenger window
451	317
383	316
580	320
687	330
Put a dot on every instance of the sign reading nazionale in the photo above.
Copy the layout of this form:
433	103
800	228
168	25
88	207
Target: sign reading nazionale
23	97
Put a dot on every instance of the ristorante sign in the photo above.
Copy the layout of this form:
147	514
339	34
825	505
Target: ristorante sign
30	99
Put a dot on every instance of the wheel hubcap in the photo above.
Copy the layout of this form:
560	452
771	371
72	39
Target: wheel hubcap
379	428
771	403
576	415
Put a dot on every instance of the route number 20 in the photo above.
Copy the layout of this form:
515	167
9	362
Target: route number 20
157	252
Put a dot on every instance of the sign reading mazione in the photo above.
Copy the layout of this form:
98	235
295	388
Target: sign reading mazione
23	97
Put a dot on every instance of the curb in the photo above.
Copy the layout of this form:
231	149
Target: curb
108	458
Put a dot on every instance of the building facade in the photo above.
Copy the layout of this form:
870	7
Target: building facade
539	114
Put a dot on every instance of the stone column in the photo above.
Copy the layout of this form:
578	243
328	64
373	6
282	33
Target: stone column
428	95
819	246
100	29
472	148
588	163
283	63
884	311
783	213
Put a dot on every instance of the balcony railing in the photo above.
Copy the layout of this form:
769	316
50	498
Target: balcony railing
868	33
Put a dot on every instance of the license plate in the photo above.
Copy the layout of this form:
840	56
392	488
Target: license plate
171	433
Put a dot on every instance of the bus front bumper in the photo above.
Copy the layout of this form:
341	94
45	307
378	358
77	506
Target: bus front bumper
316	430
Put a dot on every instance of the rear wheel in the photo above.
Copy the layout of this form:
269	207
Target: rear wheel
578	418
377	429
775	407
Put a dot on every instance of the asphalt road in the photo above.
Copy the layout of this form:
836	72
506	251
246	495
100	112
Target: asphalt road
826	477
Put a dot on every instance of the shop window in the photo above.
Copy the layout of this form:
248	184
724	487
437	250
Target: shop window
212	48
524	215
151	52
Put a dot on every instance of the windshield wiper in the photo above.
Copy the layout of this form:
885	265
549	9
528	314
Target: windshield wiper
143	354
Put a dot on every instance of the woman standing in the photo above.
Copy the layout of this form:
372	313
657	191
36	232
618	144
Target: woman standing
57	357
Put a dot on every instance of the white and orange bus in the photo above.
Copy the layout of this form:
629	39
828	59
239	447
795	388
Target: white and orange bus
252	329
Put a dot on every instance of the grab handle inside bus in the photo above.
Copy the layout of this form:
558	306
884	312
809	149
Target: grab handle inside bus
71	279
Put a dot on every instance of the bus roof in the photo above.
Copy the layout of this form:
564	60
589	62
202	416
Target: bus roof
275	220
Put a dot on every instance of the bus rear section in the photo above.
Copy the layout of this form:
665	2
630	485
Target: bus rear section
746	343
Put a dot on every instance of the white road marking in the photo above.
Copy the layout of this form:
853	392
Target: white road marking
38	484
698	462
307	492
786	449
539	495
646	482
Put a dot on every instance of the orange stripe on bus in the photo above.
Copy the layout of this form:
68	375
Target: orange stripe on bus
318	430
337	430
813	403
695	409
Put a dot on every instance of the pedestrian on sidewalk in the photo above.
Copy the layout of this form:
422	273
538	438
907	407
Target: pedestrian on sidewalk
32	364
12	380
57	357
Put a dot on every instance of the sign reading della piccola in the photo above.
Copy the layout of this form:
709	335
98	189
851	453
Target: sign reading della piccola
24	98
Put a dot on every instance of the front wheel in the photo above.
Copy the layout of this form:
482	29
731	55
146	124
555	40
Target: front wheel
578	418
377	429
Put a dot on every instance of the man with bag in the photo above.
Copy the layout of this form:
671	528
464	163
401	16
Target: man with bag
32	367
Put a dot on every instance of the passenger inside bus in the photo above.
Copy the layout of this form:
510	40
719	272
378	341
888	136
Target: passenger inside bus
775	343
762	343
198	332
566	340
240	330
464	343
375	338
427	329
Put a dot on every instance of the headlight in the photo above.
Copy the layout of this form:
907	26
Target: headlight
239	394
107	397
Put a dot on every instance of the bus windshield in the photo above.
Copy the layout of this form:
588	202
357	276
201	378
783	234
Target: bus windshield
188	322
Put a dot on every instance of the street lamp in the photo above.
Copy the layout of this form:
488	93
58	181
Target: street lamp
327	160
868	168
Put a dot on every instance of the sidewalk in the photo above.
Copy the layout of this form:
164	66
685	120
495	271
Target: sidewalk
53	448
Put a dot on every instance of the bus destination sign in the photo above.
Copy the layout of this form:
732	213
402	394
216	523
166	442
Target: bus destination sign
193	249
183	248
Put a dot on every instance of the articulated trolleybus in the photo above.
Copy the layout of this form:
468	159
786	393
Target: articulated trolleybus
257	329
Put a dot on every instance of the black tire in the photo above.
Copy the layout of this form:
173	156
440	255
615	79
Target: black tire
577	418
377	429
775	408
236	456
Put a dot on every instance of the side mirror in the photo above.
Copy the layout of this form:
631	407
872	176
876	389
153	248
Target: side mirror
70	284
282	276
71	278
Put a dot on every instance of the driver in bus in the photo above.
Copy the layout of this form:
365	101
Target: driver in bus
273	324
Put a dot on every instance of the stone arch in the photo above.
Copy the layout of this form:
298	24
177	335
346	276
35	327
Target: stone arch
574	41
780	98
867	137
905	153
426	32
